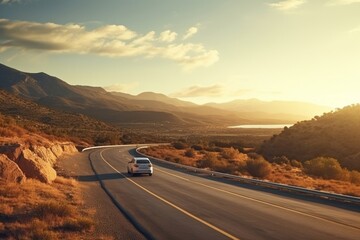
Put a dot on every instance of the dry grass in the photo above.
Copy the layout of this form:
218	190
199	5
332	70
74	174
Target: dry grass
35	210
281	173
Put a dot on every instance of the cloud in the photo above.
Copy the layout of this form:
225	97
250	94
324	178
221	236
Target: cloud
168	36
9	1
197	91
190	32
287	4
342	2
108	40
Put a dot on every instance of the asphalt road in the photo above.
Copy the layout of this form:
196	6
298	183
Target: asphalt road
173	204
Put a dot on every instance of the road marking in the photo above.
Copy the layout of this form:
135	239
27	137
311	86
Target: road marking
171	204
260	201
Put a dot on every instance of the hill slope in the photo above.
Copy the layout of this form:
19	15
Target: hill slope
41	119
334	134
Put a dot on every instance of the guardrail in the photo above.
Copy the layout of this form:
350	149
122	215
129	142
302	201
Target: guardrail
279	186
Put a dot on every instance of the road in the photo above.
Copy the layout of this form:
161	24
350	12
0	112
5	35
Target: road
173	204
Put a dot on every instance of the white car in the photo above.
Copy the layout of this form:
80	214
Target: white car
140	165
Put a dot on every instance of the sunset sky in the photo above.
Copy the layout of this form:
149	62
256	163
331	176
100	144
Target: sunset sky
196	50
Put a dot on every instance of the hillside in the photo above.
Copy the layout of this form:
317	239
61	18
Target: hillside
96	102
334	134
35	117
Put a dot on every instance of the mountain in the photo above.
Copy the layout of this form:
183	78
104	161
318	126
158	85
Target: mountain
92	101
147	107
334	134
289	110
151	96
35	117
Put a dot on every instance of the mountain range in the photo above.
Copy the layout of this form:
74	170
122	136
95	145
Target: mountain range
147	107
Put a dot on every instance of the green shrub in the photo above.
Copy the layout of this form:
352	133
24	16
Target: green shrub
296	163
258	167
281	160
327	168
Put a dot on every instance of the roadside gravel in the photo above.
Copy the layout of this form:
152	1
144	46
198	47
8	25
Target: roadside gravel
109	221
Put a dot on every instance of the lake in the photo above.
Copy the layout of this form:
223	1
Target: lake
262	126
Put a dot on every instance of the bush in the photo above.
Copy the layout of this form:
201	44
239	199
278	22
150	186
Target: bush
281	160
296	163
179	145
209	160
355	177
258	167
327	168
190	153
230	153
197	147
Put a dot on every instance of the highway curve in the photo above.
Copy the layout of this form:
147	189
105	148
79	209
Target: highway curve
173	204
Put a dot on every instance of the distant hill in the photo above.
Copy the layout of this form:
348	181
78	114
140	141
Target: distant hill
41	119
151	96
147	107
286	110
335	134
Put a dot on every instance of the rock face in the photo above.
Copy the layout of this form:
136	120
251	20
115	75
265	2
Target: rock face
34	162
35	167
10	171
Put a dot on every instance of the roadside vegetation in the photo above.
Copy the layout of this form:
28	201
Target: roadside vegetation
319	173
36	210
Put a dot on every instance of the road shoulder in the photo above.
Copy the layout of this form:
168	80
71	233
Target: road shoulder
109	221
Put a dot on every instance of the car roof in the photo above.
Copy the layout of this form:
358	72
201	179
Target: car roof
141	158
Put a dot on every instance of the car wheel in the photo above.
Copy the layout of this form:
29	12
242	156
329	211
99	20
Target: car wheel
150	174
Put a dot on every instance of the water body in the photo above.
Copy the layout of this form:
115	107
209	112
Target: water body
262	126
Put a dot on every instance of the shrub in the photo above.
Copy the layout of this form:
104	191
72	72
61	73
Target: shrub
80	224
258	167
296	163
197	147
190	153
209	160
355	177
179	145
281	160
327	168
230	153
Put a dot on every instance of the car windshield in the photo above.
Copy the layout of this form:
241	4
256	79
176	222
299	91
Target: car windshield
143	161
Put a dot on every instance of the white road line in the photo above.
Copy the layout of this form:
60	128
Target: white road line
171	204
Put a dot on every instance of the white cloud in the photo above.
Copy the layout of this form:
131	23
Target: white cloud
109	40
342	2
190	32
287	4
197	91
9	1
168	36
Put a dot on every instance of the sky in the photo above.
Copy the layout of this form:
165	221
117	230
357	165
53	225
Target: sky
196	50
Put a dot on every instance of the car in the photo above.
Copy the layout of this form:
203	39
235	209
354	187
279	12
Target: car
141	165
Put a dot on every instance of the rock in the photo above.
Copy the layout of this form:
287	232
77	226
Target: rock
46	154
69	148
10	171
35	167
57	150
12	151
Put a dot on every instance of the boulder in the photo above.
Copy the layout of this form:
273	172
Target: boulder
57	150
69	148
12	151
10	171
45	153
35	167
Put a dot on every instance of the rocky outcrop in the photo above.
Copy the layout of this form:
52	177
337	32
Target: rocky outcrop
34	162
10	171
35	167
